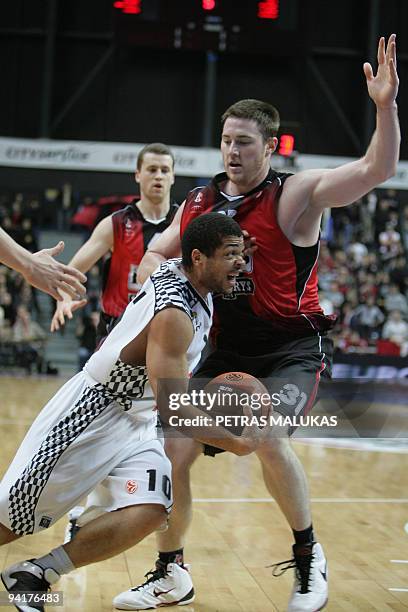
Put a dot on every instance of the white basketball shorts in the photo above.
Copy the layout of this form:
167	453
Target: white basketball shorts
79	440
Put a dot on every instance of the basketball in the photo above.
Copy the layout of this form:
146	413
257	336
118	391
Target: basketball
229	393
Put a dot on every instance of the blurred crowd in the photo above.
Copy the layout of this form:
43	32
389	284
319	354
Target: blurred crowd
23	216
363	273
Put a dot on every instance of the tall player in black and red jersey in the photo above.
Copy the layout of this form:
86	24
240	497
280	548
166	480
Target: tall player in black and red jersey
126	235
272	326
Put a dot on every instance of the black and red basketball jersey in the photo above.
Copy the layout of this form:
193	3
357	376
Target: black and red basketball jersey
132	235
276	297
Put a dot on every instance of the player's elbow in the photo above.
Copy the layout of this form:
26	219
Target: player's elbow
387	173
378	173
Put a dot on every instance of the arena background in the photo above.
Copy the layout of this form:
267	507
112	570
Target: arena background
84	85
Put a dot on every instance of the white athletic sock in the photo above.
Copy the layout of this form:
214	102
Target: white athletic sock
57	560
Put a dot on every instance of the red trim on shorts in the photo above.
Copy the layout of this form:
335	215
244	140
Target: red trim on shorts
311	401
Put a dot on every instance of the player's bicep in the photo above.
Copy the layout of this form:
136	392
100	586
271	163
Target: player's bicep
170	334
343	185
325	188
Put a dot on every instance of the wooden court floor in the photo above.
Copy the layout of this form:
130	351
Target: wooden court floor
360	509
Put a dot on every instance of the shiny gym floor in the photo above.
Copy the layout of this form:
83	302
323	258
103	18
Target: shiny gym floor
359	494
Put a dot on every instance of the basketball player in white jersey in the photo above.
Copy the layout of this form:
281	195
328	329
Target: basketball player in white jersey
90	432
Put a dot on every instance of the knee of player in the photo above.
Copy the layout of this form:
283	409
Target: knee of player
159	518
182	456
275	447
152	516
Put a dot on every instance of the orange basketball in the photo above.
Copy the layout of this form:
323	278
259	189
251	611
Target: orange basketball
228	393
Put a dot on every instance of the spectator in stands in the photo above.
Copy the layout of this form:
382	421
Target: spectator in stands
390	243
383	209
351	342
336	296
28	240
369	319
368	216
27	330
347	319
325	257
357	251
366	285
394	300
326	277
345	280
370	263
398	272
396	330
30	339
6	302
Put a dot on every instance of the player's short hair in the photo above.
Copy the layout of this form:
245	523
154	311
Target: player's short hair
206	234
155	147
265	115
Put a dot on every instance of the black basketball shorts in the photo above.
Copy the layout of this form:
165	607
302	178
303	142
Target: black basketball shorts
291	373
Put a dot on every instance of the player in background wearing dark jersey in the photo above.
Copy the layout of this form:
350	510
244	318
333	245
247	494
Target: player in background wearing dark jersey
126	234
274	326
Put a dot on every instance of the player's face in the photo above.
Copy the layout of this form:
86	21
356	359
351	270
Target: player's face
222	268
156	176
245	154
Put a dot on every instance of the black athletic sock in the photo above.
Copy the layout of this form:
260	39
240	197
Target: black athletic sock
304	537
174	556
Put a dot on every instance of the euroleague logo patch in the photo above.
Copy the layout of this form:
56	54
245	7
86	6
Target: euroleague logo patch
131	486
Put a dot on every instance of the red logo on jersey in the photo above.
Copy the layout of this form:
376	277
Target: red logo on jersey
131	486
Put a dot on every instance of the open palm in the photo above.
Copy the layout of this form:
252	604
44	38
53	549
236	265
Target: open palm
383	87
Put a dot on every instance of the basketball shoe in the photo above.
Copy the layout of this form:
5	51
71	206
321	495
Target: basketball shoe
167	585
310	590
27	578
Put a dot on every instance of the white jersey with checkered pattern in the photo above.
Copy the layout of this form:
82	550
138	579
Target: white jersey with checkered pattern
84	436
167	287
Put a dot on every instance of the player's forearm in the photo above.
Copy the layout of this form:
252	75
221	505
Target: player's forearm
13	255
149	263
383	152
83	261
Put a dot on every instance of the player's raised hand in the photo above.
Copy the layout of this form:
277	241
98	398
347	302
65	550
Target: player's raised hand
63	309
383	87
